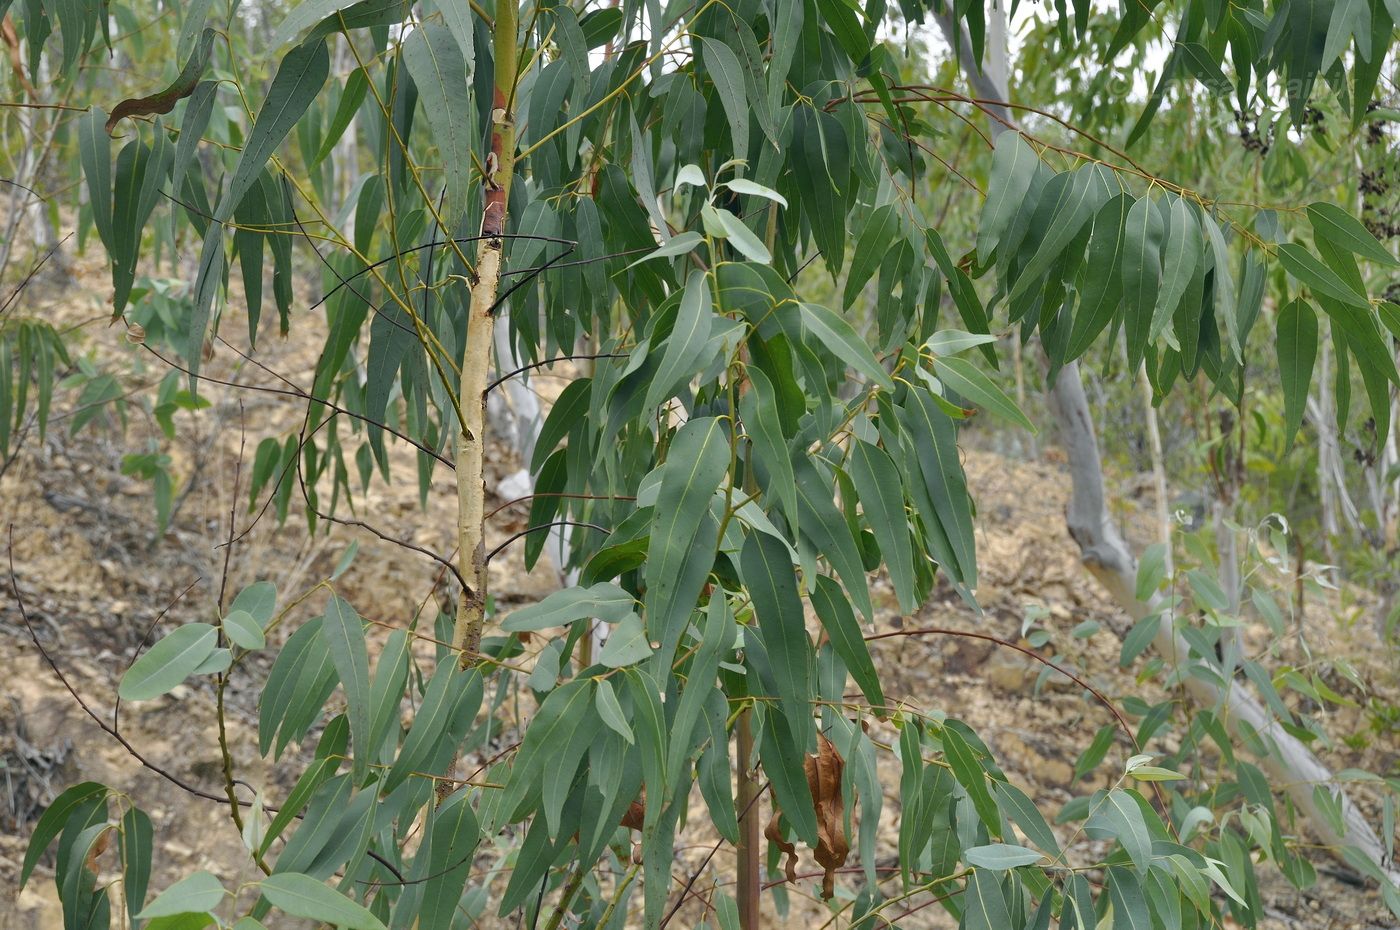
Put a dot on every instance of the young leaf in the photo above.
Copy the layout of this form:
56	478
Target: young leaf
243	630
610	711
732	229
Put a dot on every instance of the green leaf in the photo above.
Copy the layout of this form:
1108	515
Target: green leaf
351	96
843	630
258	599
603	601
1152	570
970	774
984	905
610	711
871	248
626	645
768	574
452	838
1303	266
569	408
1100	281
687	341
1129	905
54	819
303	896
828	530
837	336
1117	816
1013	168
298	81
168	662
683	532
434	59
1075	207
733	230
759	409
440	702
344	632
194	893
965	378
1142	275
1180	254
955	341
935	443
680	244
243	630
728	75
135	848
999	857
1296	346
95	153
880	489
1021	809
1341	229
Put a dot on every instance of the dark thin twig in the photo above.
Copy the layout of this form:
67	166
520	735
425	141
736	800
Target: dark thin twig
550	361
33	272
303	395
544	526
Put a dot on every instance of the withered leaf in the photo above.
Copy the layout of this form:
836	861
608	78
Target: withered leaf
824	780
181	88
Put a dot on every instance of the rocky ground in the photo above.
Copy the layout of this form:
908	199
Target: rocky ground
94	577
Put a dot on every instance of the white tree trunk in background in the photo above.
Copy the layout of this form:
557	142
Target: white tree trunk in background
1291	766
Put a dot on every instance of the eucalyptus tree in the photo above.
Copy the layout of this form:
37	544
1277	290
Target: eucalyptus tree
658	191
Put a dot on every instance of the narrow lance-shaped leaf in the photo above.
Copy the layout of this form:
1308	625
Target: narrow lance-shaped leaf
695	465
1297	351
1013	169
881	495
686	342
1142	275
768	574
344	631
435	61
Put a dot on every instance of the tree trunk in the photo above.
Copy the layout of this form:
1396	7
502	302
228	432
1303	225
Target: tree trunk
476	364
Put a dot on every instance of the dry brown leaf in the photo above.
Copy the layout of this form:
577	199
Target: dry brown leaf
165	101
824	781
636	814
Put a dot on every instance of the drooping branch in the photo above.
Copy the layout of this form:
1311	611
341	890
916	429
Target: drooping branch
1290	764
